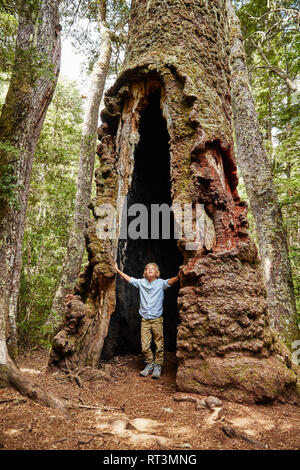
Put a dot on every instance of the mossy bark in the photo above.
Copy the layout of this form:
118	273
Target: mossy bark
181	49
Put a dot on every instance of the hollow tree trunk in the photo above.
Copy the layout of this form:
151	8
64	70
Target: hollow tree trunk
225	347
33	81
256	172
76	243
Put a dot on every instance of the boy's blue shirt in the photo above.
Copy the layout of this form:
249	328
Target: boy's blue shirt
151	296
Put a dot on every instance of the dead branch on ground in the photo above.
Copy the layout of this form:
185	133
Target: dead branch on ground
231	432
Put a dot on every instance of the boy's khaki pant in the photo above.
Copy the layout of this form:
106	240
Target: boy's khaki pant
152	329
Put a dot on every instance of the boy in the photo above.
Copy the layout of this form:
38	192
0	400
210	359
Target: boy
151	289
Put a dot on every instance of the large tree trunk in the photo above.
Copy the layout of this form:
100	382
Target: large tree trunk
34	76
31	88
256	173
167	137
76	243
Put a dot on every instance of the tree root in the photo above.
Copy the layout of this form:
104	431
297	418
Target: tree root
73	376
11	376
89	374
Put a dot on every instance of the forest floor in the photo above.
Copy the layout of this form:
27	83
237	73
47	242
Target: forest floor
117	409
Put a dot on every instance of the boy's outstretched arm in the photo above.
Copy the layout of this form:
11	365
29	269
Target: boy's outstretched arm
123	275
174	279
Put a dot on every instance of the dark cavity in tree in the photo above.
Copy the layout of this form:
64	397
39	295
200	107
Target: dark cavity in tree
150	185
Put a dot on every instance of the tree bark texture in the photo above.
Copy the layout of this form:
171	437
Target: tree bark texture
34	76
224	344
256	173
76	243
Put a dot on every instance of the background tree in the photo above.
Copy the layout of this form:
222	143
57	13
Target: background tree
33	80
267	21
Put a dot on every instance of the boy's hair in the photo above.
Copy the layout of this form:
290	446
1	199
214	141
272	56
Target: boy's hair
156	267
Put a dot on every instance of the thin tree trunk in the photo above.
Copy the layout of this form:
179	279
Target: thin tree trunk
256	172
37	61
76	244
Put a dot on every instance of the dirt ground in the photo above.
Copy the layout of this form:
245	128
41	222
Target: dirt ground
117	409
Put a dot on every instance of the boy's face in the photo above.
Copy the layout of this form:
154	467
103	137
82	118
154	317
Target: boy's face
151	272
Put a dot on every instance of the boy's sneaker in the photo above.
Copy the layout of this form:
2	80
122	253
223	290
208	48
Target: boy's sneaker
148	370
157	372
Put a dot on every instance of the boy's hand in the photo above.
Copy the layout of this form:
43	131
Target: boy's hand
123	275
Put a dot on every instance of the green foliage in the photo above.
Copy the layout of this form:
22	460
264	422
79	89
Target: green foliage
50	211
8	28
28	64
80	21
8	32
